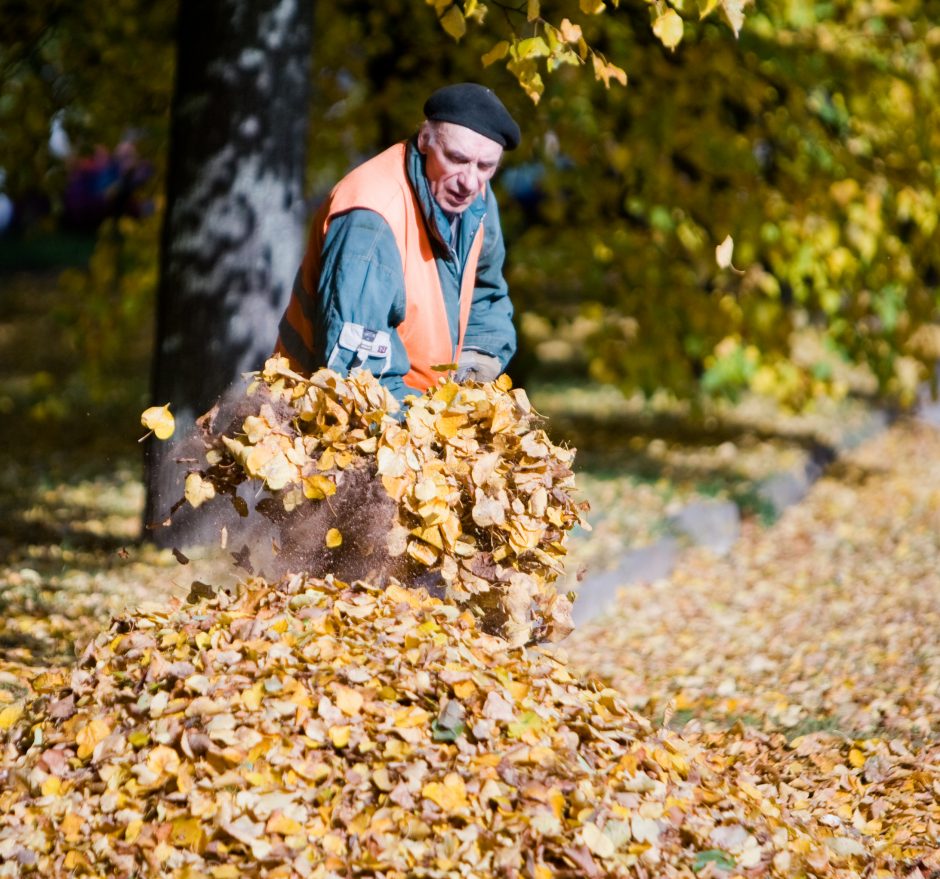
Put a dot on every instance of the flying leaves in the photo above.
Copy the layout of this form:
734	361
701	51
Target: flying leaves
160	420
483	500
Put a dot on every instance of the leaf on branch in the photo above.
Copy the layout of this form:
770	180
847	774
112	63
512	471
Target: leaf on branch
475	10
668	28
592	7
454	23
605	71
533	47
734	12
570	33
499	51
528	76
706	8
533	10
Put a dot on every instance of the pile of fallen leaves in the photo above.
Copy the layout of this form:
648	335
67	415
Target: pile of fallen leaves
480	498
317	729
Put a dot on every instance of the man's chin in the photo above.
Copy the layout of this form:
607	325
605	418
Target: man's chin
457	207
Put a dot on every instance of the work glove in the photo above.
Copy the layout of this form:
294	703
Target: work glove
478	366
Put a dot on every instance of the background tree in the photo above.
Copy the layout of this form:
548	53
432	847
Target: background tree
234	225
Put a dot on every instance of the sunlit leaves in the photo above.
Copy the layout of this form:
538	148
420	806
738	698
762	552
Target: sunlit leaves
334	538
160	420
668	28
483	498
499	51
198	490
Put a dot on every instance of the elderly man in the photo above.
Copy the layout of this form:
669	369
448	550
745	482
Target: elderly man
404	265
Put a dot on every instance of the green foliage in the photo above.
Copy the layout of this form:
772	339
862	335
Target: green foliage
811	139
103	306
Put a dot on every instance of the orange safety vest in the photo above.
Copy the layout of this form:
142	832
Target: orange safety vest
381	185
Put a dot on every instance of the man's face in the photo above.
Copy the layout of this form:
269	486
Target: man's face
459	162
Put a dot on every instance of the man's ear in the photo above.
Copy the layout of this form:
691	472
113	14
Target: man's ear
424	137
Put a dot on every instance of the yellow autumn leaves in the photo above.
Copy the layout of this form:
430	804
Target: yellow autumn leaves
484	500
160	420
564	43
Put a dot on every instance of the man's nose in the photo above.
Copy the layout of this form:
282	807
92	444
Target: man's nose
469	179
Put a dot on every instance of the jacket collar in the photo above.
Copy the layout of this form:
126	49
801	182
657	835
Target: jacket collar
437	220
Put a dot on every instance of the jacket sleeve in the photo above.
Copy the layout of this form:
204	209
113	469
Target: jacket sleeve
489	327
361	300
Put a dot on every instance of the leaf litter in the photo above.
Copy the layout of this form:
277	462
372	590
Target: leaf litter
807	662
317	727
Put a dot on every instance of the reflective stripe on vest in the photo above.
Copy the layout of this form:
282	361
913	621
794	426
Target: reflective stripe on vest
381	185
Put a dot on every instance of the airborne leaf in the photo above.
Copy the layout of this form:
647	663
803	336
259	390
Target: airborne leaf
160	420
198	490
334	538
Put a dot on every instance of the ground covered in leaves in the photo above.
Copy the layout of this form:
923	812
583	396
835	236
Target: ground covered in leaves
807	662
774	713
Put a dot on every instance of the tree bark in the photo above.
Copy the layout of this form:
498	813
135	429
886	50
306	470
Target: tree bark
235	215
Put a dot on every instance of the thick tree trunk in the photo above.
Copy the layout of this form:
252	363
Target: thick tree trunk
233	234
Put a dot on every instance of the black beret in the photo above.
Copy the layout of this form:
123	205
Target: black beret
474	106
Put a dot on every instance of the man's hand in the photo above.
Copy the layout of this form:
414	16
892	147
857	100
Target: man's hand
477	366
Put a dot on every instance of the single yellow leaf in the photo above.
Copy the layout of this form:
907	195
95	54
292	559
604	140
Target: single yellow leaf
570	33
668	28
464	689
132	831
89	736
318	487
282	824
334	538
856	758
10	715
723	252
532	10
159	420
348	700
163	760
533	47
454	23
592	7
451	796
422	553
339	735
71	826
198	490
187	833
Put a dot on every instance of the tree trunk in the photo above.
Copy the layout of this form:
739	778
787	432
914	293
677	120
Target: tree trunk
234	225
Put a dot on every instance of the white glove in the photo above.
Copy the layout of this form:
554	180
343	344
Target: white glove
478	366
